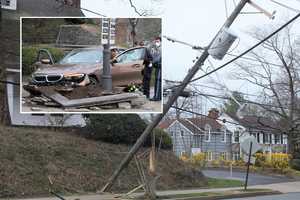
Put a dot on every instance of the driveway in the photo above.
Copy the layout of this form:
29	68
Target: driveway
254	178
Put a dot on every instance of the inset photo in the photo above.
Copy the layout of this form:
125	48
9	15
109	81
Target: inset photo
91	65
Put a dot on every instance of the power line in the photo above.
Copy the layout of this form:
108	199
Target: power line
96	13
245	52
225	121
285	6
244	101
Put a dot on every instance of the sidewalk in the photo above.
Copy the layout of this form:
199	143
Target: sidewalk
281	187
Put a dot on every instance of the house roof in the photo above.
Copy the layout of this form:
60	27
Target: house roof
166	123
195	125
256	122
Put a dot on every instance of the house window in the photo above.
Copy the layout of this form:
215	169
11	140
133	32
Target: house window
208	156
258	137
223	135
171	133
181	133
277	138
223	155
236	136
267	138
207	133
236	156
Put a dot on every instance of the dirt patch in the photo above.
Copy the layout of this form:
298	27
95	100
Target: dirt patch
75	164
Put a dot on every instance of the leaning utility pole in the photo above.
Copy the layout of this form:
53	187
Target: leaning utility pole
171	100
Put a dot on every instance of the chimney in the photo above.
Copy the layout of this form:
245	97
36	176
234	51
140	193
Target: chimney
213	113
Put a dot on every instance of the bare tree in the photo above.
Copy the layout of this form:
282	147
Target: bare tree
276	72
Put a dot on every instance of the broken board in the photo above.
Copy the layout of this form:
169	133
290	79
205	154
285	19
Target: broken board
85	102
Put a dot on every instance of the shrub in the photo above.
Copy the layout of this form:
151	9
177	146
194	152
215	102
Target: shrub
122	129
162	139
295	164
29	56
274	160
199	159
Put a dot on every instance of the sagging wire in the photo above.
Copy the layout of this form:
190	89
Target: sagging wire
285	6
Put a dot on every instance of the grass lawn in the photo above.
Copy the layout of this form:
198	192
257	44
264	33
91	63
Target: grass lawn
221	183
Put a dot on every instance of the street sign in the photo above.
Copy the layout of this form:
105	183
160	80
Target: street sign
108	30
245	145
9	4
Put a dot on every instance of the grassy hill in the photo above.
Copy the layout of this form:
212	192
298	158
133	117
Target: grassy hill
75	164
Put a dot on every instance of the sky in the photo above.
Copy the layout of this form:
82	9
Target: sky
197	22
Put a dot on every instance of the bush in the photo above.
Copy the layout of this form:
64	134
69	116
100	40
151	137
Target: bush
274	160
123	129
295	163
162	139
199	159
29	56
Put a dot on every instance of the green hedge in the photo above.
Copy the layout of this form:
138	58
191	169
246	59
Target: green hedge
122	129
295	164
29	55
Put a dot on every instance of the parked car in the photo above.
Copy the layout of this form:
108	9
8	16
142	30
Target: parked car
81	67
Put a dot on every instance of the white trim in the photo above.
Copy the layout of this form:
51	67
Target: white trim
224	132
176	121
195	126
209	135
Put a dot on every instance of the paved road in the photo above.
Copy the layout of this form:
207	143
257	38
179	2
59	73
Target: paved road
288	196
254	178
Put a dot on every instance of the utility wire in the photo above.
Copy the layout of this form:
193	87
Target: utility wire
243	101
247	51
224	120
285	6
96	13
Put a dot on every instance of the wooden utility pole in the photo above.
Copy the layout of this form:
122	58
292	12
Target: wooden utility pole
171	100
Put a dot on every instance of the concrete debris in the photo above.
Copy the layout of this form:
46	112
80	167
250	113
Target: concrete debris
124	105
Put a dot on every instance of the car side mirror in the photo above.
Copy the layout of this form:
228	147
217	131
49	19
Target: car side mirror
45	61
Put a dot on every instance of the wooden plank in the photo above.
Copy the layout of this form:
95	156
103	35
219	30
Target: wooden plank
55	96
84	102
102	100
87	102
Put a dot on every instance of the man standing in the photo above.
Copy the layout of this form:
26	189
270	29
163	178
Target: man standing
147	72
157	65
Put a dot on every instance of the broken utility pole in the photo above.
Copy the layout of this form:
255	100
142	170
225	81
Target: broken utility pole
171	100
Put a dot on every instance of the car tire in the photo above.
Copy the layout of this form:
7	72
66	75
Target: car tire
93	80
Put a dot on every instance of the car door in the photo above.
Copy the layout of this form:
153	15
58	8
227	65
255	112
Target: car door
128	67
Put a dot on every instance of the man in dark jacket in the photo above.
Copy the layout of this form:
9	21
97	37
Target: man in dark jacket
157	65
147	72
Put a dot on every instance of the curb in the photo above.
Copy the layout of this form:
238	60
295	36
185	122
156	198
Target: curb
229	196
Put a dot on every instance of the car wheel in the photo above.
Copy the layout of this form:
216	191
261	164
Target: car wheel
93	80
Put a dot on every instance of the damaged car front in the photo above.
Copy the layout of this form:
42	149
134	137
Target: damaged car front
80	67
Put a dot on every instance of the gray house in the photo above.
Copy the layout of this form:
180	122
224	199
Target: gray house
12	10
267	132
201	134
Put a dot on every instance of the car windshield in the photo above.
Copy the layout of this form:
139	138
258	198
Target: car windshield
83	56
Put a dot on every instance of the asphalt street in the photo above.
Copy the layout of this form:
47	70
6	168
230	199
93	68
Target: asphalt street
288	196
254	178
